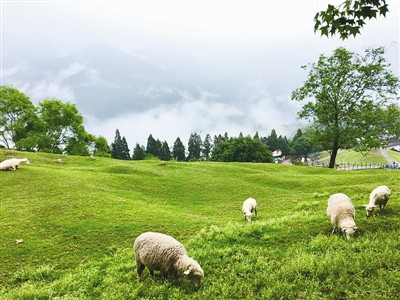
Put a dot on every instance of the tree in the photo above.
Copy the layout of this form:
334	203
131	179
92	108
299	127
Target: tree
79	144
125	150
19	124
62	128
348	91
242	149
349	17
220	138
178	151
139	153
116	146
392	121
153	146
298	134
272	141
301	146
194	147
101	147
283	145
119	148
165	152
207	146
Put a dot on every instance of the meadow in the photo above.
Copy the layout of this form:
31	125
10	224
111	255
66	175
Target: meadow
77	220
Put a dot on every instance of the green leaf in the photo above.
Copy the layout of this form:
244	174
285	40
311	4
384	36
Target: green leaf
324	30
383	10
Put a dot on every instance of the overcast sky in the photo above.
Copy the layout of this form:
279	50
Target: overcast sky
175	67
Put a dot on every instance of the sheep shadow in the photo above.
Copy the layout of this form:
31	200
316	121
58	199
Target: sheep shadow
169	281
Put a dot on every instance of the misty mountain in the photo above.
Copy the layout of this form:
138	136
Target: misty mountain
101	77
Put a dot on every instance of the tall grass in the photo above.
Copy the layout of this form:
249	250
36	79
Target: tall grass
78	220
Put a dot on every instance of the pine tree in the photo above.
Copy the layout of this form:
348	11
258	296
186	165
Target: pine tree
153	146
178	151
125	150
298	134
116	146
139	153
207	146
119	149
194	147
272	141
218	139
165	152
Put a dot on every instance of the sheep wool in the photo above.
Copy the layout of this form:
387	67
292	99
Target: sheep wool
249	206
342	213
161	252
379	196
12	163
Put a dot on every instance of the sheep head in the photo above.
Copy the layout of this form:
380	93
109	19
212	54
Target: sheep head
370	209
194	272
349	232
248	216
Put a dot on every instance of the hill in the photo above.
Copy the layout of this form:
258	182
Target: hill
78	219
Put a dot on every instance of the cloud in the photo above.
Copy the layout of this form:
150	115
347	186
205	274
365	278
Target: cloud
39	91
202	114
20	67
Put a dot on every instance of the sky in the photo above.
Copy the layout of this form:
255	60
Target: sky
171	68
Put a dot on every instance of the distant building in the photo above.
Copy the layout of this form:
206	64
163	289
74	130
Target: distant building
394	146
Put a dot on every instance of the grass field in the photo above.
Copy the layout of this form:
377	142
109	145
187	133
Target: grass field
78	220
351	157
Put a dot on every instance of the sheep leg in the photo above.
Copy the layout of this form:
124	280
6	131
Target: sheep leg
164	274
334	229
151	272
139	268
255	210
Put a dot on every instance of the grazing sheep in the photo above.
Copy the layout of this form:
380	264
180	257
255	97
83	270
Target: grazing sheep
12	163
378	196
342	213
161	252
249	206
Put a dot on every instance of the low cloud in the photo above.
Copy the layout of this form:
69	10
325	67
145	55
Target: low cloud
39	91
202	115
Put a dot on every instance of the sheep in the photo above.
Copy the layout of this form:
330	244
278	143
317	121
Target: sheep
12	163
249	206
342	212
161	252
379	196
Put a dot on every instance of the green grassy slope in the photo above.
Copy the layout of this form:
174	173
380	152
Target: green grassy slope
78	220
352	157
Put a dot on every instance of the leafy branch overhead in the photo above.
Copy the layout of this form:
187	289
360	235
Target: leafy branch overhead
349	17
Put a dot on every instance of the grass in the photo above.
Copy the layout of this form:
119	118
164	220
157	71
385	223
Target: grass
352	157
78	220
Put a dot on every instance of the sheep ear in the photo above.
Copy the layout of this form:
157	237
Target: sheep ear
187	272
355	228
344	230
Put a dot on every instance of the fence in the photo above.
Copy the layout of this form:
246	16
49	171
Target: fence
353	165
360	166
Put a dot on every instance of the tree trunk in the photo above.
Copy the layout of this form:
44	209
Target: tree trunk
333	157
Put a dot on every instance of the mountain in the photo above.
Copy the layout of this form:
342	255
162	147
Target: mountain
101	77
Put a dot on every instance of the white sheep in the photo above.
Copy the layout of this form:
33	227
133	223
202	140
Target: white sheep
249	206
161	252
12	163
342	212
379	196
